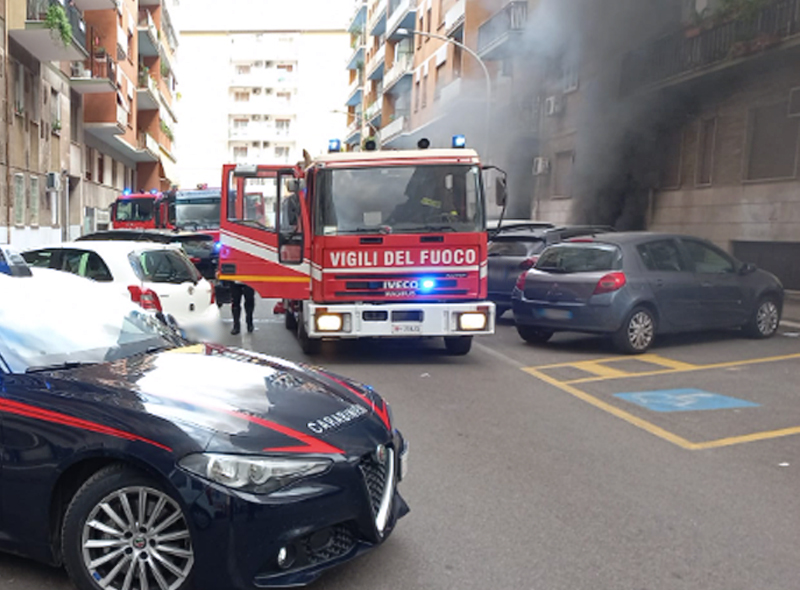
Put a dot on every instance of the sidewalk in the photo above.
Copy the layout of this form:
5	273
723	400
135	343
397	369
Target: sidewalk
791	306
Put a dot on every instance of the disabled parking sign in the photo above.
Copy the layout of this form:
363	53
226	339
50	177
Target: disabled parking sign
683	400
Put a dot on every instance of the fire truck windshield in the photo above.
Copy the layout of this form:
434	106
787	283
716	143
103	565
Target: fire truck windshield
138	209
197	211
400	199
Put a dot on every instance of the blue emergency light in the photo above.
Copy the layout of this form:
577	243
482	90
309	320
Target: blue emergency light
126	192
334	145
153	191
427	285
459	141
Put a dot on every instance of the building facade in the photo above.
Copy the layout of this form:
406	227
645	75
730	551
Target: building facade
89	90
271	96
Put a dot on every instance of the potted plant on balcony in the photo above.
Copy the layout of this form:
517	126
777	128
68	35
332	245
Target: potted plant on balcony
56	20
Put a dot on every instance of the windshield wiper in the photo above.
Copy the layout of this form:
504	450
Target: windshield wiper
61	366
431	228
383	229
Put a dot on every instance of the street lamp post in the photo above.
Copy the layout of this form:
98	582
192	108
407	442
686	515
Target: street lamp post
407	33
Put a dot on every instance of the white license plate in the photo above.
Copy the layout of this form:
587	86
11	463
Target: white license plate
406	329
555	314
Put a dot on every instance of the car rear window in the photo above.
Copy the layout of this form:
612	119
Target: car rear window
569	258
515	247
164	266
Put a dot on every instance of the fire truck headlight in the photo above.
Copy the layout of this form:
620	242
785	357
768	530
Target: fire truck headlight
472	321
330	322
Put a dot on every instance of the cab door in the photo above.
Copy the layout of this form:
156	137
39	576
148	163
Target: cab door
253	250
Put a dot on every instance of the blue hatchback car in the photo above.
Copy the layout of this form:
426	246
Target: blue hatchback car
139	460
635	285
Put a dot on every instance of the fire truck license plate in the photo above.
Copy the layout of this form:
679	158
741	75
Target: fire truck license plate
406	329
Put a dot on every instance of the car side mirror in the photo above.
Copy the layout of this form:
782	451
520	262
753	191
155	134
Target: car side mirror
747	268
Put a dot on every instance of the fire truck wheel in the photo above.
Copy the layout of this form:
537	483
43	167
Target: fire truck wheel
458	345
307	344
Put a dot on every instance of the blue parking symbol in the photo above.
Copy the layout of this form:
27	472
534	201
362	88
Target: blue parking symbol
683	400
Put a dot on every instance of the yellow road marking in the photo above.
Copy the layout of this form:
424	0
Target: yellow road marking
263	279
688	368
679	367
193	349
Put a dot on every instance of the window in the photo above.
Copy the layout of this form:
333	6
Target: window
89	162
242	70
569	80
456	61
439	82
428	24
707	259
416	96
285	96
282	153
19	89
670	145
101	160
441	12
285	67
424	91
771	143
34	200
241	97
705	151
563	175
420	28
239	154
662	255
240	123
74	116
19	200
282	126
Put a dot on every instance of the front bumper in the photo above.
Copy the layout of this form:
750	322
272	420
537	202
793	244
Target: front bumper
399	319
321	522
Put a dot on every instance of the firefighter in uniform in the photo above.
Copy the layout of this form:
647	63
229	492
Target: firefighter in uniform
239	290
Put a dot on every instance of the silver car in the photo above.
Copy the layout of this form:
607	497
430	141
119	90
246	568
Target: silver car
635	285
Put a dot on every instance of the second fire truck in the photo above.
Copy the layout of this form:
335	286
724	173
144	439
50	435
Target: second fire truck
367	244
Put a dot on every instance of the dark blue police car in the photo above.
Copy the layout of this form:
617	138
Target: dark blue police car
139	460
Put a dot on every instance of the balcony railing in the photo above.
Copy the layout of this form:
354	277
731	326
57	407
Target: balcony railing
376	24
147	142
397	126
373	110
122	116
494	34
376	60
37	11
403	64
692	50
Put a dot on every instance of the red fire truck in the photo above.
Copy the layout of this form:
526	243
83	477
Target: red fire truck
189	210
368	244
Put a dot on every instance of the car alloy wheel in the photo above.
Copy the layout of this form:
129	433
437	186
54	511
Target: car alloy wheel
134	534
767	318
640	330
123	532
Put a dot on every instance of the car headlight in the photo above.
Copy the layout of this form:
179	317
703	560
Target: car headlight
470	321
260	475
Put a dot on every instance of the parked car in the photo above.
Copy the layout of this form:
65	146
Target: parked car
516	246
636	285
12	263
156	276
140	462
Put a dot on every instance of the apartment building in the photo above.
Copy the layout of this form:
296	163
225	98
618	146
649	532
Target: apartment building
254	95
89	87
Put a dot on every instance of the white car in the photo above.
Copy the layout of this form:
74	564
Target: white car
159	277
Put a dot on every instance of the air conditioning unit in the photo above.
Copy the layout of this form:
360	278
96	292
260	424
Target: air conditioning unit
553	105
53	182
541	166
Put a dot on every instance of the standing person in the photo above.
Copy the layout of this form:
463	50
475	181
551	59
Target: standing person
237	291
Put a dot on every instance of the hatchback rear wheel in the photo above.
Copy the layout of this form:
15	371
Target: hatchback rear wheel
637	332
764	320
534	335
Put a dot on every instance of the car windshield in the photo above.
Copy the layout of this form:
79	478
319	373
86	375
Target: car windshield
164	266
135	209
197	211
81	325
400	199
570	258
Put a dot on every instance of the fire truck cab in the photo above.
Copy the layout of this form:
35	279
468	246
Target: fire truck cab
367	244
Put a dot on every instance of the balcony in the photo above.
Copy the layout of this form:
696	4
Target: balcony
500	35
358	20
402	15
373	111
454	18
148	36
148	148
146	92
41	42
398	79
398	126
376	64
687	54
376	26
355	93
96	75
95	4
357	57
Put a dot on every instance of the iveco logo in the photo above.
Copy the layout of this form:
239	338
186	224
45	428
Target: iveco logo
393	285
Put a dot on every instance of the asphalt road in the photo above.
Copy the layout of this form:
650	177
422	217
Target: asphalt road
528	472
